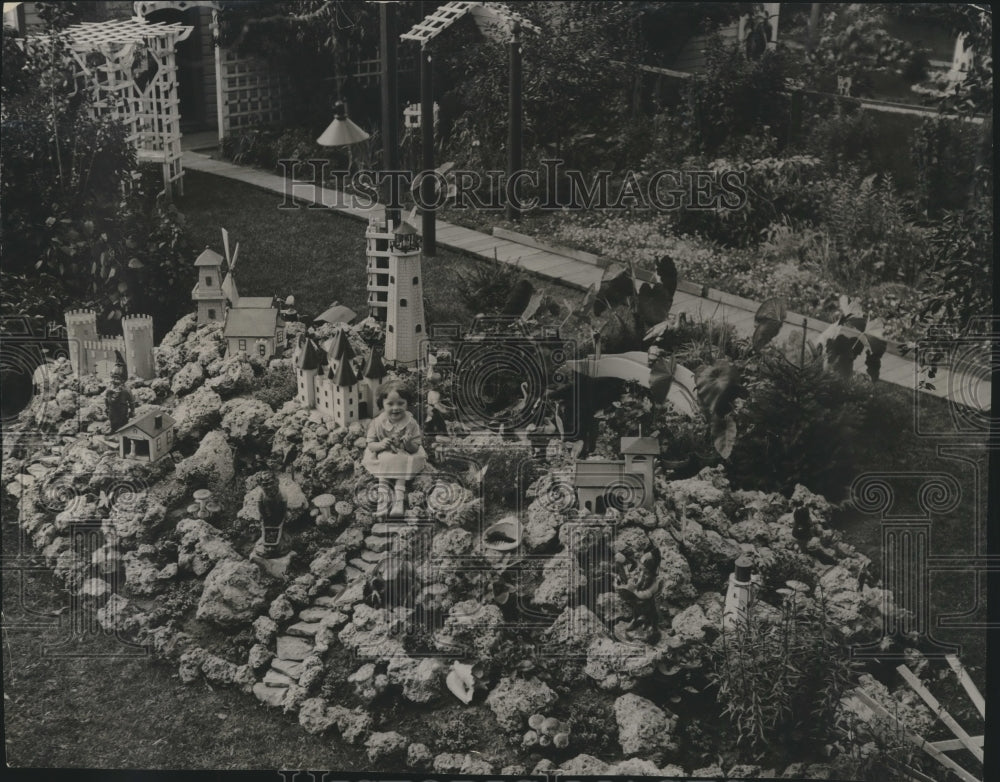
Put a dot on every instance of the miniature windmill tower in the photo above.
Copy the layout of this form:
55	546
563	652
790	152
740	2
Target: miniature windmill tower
207	293
404	322
371	381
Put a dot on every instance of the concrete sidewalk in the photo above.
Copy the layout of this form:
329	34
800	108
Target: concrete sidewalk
971	389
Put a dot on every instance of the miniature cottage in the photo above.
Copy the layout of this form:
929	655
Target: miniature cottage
146	438
622	483
255	331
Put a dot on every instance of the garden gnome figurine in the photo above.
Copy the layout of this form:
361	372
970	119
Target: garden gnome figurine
118	402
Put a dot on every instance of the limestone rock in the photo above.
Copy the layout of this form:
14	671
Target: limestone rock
234	593
382	746
418	756
188	378
244	420
690	624
202	547
420	679
616	665
471	627
234	375
197	414
643	727
211	465
264	630
540	528
513	700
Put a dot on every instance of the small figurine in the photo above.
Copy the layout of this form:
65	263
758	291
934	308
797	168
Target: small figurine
394	453
637	584
118	401
273	509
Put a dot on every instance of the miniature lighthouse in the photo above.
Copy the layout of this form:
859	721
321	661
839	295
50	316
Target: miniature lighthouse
739	596
404	322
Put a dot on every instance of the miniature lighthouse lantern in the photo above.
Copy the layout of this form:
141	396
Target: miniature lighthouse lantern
405	238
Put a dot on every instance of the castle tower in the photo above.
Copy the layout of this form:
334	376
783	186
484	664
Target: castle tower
138	332
371	381
308	362
207	293
639	453
404	322
345	392
81	326
339	350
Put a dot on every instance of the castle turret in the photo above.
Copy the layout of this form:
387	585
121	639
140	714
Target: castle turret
372	376
339	350
308	362
345	394
81	327
404	323
138	332
207	293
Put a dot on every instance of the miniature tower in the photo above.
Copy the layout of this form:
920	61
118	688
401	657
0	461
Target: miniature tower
308	362
639	453
207	293
339	351
371	381
739	595
345	393
81	327
138	331
404	322
378	235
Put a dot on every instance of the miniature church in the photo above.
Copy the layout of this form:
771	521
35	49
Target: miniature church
601	483
329	380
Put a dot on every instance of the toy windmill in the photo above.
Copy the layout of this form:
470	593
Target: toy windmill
229	283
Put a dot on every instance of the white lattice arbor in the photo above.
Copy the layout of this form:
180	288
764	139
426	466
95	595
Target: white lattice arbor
129	66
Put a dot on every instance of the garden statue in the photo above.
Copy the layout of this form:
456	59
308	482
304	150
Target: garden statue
272	519
394	453
118	401
638	582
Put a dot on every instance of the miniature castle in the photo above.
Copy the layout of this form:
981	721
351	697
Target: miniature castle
395	288
628	481
329	380
90	353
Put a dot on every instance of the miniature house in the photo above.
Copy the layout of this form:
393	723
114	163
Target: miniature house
254	331
147	438
208	294
404	319
619	483
91	354
328	381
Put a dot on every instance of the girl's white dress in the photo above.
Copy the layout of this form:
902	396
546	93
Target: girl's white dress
388	464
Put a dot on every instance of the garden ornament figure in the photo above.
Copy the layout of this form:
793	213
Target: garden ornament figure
638	582
272	520
118	401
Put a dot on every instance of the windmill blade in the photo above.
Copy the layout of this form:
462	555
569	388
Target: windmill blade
236	254
225	243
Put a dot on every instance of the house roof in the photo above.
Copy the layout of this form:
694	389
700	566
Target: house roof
339	347
251	322
208	258
374	368
256	302
310	356
344	376
146	423
599	472
640	445
338	313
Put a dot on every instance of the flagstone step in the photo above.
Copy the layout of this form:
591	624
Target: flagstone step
292	648
275	679
292	670
372	556
272	696
304	629
319	613
362	564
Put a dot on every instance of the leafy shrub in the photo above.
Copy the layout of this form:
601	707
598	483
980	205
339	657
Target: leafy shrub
872	239
944	155
777	188
485	285
799	424
277	386
781	679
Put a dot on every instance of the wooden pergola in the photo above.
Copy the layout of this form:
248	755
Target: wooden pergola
499	23
129	66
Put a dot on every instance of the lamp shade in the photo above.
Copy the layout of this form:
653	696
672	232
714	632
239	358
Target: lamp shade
341	132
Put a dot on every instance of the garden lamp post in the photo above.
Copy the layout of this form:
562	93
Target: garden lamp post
342	133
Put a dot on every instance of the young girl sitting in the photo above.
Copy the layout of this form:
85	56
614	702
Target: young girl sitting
394	452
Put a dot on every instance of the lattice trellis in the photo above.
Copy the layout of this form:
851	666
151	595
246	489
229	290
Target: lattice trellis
251	93
129	65
489	17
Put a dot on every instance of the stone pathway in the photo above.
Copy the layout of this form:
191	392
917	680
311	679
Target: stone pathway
970	388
